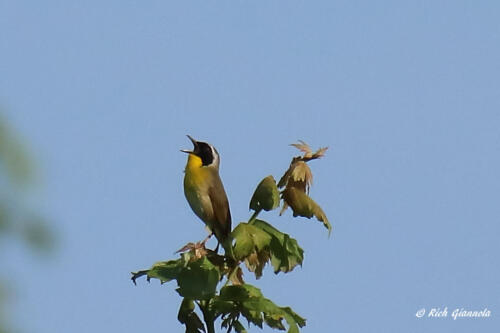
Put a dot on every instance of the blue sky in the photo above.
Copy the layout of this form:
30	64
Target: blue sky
405	94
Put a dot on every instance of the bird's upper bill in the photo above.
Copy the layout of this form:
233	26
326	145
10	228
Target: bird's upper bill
195	145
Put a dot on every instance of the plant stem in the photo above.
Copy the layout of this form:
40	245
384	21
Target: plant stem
231	274
254	216
210	325
207	316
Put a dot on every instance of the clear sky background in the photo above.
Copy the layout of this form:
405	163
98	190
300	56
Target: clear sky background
405	93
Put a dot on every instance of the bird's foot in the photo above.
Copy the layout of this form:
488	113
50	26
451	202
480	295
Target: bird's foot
206	239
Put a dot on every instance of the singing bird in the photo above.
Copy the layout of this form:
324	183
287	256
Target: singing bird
205	193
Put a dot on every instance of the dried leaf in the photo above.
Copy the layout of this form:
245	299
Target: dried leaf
237	278
308	153
196	250
303	147
319	153
300	176
256	262
186	247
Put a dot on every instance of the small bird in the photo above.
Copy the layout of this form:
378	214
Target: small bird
205	193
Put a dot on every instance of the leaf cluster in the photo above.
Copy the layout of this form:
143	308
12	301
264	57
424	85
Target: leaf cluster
296	183
258	242
248	301
18	220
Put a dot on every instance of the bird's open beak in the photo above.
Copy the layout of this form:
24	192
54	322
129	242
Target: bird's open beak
195	144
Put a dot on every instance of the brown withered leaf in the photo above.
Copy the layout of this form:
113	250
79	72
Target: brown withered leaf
298	175
186	247
308	153
301	172
237	278
256	262
301	176
303	147
196	250
319	153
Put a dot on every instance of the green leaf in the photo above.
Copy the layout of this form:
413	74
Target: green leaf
285	252
238	327
259	242
303	205
266	195
239	293
274	321
166	271
248	238
188	317
198	280
248	301
301	321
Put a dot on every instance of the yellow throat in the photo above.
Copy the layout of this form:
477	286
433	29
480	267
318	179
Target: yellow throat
196	175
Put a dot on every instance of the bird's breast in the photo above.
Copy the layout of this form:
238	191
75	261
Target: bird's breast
196	184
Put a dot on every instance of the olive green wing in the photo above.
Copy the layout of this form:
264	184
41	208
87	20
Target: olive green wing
222	214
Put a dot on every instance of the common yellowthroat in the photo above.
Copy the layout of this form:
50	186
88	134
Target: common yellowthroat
205	193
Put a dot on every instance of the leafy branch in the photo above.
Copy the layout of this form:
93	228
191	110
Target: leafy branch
199	271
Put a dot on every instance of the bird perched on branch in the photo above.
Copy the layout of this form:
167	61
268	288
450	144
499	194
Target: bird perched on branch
205	193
